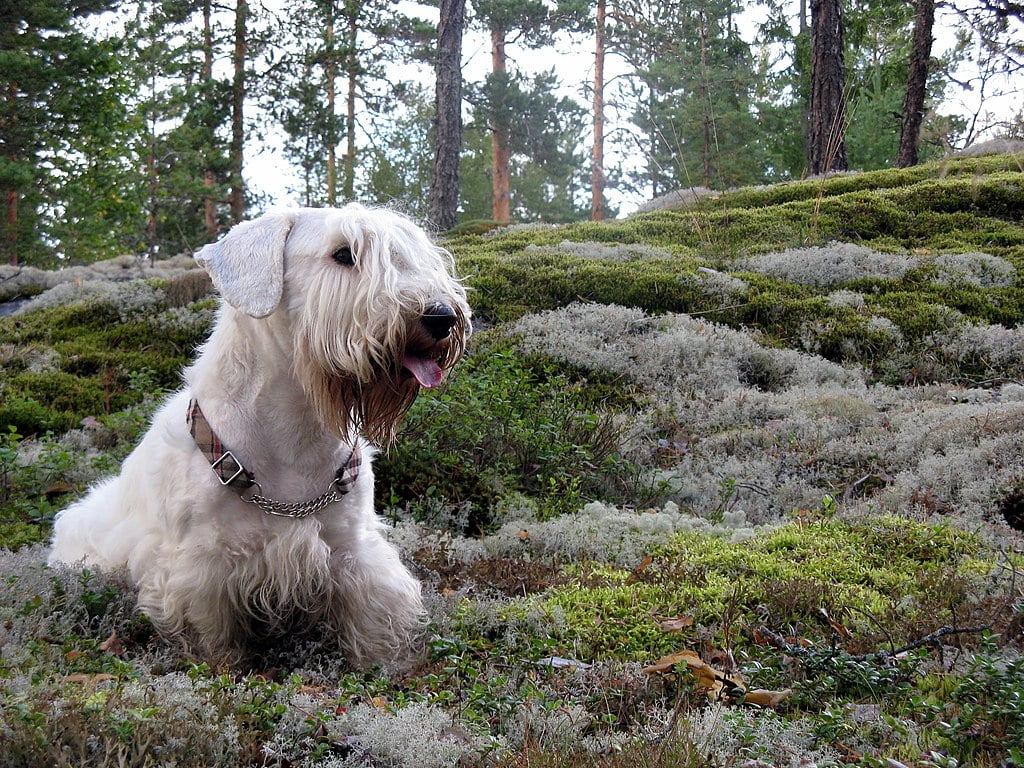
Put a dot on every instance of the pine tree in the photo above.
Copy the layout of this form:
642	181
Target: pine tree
545	167
826	143
691	92
500	100
399	165
444	187
335	85
186	110
61	103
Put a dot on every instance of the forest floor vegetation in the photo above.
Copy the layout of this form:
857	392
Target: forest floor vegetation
737	485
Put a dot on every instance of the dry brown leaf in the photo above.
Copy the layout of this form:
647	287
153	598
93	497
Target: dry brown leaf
763	698
674	623
89	679
708	678
713	681
58	488
644	564
666	664
836	626
840	630
762	639
113	645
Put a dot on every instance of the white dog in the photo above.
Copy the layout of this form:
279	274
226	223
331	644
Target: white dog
248	506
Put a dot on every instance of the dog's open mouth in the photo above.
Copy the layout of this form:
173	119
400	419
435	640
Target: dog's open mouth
424	369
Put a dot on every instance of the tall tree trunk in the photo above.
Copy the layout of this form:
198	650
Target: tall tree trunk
917	81
331	76
350	101
10	233
501	205
151	173
11	227
705	104
444	185
209	177
597	177
826	147
237	121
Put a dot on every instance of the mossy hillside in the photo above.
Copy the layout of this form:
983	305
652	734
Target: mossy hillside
978	204
521	271
93	353
964	168
523	434
868	575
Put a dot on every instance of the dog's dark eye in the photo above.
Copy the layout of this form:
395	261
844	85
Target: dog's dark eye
344	256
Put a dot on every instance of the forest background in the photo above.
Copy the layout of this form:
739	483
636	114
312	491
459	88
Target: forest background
131	126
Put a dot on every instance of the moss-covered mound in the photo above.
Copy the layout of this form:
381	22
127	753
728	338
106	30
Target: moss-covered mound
681	261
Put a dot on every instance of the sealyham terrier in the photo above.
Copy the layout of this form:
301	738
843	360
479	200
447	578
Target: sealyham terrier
247	509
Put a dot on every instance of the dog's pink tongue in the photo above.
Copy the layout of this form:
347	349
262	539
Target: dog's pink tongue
427	372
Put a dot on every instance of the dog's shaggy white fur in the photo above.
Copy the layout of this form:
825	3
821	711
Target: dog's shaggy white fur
331	321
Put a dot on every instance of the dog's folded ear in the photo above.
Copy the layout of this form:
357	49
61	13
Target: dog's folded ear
247	264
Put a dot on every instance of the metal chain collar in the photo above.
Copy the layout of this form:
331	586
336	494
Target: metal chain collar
231	473
295	510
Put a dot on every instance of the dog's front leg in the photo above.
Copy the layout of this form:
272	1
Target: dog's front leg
377	607
193	603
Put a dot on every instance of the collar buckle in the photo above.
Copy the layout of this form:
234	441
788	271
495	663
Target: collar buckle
215	465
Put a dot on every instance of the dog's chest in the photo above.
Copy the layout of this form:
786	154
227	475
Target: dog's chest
283	566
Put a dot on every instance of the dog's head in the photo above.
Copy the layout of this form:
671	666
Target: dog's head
373	306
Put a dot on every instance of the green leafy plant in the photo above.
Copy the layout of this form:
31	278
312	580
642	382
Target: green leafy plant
503	426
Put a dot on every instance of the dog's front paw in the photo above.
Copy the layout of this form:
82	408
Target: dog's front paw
381	619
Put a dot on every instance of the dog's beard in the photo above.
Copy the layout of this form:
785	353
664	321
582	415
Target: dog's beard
375	408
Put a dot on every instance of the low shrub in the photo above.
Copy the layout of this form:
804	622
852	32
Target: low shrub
502	426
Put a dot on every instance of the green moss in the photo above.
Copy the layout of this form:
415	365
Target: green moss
96	354
15	534
857	571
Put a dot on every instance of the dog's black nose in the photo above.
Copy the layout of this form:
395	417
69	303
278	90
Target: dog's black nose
439	319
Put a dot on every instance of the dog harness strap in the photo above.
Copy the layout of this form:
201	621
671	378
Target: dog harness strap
230	472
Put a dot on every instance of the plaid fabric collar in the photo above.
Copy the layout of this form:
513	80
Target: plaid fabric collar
229	469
